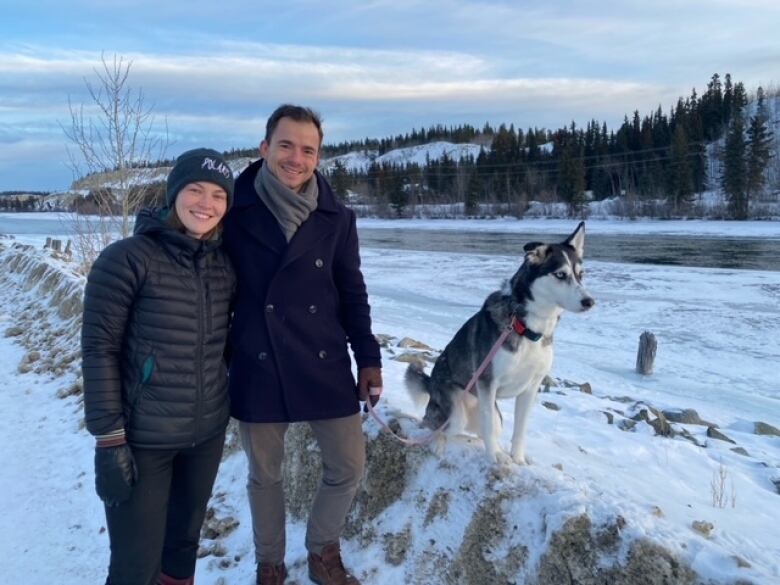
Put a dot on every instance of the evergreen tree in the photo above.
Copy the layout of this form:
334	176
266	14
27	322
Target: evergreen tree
571	179
473	194
339	180
734	178
681	179
758	146
395	189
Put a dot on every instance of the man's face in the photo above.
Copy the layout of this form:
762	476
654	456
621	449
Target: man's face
293	153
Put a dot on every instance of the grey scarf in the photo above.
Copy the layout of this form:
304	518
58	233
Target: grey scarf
289	208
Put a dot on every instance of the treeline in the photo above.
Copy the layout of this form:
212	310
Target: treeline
100	201
457	134
15	204
657	157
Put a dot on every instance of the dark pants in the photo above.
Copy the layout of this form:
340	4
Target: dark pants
158	528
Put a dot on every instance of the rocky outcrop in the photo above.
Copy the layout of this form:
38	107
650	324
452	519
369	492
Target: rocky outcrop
47	294
505	518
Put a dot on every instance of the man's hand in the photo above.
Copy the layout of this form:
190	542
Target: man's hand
369	385
115	473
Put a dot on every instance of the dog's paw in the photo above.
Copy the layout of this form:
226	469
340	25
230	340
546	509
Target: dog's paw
503	459
521	459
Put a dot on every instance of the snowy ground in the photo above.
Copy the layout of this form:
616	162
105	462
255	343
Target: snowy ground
719	346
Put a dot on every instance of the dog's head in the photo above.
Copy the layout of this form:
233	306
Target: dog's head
552	273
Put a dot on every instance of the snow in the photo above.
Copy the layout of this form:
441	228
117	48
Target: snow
360	161
718	332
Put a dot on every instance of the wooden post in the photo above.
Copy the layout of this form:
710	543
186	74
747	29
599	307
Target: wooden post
68	251
47	244
645	356
56	245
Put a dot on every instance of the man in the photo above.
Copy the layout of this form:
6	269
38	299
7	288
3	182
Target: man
301	297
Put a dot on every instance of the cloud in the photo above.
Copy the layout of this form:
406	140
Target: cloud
378	67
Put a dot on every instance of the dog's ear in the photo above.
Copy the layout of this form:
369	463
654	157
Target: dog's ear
536	252
577	239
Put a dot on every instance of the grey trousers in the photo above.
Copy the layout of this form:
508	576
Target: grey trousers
343	451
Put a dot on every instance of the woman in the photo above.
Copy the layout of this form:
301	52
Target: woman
155	384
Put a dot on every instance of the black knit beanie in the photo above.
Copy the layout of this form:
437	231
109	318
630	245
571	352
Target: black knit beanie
200	164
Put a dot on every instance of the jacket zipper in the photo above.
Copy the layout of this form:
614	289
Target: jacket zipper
199	352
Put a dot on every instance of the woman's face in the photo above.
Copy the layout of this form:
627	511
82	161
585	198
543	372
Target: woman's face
200	207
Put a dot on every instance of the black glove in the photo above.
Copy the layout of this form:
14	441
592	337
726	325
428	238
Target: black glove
115	473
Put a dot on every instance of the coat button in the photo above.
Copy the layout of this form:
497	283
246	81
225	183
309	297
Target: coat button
312	309
319	263
323	354
262	355
269	308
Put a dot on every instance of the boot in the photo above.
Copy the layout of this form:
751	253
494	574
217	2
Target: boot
327	568
271	574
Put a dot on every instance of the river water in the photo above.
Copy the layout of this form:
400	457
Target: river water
679	250
754	253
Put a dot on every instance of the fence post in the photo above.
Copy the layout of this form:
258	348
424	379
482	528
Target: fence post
645	356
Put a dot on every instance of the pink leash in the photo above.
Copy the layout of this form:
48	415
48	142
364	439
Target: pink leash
433	434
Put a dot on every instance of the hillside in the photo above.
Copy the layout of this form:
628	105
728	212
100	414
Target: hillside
589	172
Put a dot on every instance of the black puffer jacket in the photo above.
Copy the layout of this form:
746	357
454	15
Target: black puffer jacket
155	324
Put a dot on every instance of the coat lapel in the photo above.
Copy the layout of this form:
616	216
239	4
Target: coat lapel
318	226
257	222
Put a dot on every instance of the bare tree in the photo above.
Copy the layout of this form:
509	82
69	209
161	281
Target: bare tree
112	138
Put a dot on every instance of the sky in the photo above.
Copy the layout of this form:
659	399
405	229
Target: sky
705	320
213	71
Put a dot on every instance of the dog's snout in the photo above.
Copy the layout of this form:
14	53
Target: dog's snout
587	303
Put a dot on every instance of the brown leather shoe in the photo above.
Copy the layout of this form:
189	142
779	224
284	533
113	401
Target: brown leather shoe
270	574
327	569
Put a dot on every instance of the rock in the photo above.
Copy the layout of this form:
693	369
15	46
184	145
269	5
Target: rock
572	558
627	424
14	331
384	340
409	343
551	405
777	485
741	451
623	399
215	549
713	433
762	428
549	382
687	435
659	423
687	416
397	545
703	527
71	390
741	563
439	507
214	527
657	512
610	417
585	387
413	357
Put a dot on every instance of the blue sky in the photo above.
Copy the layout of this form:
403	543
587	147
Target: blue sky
214	70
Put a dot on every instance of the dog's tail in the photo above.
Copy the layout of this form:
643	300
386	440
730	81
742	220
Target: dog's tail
417	382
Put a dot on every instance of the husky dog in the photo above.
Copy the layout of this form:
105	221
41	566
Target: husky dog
548	282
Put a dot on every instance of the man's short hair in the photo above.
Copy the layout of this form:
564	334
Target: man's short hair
297	113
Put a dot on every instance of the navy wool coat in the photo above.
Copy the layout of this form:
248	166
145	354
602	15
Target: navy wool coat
297	306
